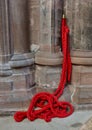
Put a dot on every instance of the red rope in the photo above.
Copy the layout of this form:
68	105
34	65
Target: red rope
45	105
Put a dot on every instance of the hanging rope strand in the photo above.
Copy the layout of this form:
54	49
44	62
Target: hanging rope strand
66	67
45	105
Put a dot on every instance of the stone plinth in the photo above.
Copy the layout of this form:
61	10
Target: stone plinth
81	84
47	77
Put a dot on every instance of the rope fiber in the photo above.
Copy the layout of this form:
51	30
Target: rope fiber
45	105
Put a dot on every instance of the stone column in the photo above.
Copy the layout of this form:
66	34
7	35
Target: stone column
15	46
48	58
22	59
34	22
5	52
78	13
5	55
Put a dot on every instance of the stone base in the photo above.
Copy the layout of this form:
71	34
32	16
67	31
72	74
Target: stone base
17	89
47	77
81	85
12	104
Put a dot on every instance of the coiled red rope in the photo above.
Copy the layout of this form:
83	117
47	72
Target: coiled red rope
45	105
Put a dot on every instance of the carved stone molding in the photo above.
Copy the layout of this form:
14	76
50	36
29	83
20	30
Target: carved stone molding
81	57
53	59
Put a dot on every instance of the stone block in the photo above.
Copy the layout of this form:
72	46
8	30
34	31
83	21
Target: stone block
47	78
35	18
10	106
82	75
6	85
81	85
34	8
82	95
23	78
5	98
20	95
19	82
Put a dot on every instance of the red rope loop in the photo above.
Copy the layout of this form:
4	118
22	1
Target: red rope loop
45	105
50	108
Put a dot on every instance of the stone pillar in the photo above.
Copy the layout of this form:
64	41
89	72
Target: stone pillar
5	52
5	55
15	54
78	13
48	58
34	22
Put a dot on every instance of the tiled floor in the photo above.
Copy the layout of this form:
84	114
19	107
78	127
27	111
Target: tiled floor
73	122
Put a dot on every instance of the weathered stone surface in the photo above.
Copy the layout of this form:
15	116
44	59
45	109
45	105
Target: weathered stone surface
19	26
78	13
6	85
9	106
83	95
82	75
34	8
81	84
24	78
47	78
50	21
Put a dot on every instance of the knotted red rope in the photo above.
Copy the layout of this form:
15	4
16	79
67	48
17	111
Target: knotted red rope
45	105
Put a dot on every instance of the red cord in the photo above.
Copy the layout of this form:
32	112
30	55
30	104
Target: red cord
45	105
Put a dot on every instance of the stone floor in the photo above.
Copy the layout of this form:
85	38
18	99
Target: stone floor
74	122
87	125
